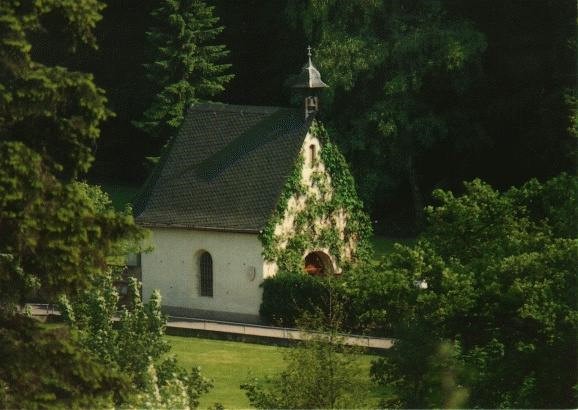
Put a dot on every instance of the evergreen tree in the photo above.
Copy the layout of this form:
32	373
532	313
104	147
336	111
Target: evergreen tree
53	238
185	67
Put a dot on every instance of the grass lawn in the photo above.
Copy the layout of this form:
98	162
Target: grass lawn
383	245
231	363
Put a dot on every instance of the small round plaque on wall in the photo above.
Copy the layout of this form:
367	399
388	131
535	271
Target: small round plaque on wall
251	273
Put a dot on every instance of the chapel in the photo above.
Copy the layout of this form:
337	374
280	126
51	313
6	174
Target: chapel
243	193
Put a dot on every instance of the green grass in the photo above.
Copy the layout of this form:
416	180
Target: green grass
383	245
231	363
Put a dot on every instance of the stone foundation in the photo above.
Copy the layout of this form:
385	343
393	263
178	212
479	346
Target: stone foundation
212	315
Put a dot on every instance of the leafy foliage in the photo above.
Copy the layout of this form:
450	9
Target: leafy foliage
185	67
321	372
47	368
500	273
53	238
287	296
134	345
398	72
333	196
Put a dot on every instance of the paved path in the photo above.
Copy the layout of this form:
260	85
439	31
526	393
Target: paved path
241	329
269	331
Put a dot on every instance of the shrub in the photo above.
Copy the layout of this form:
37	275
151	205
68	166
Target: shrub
287	296
133	344
321	370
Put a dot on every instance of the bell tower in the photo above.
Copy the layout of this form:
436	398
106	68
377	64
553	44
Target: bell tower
309	84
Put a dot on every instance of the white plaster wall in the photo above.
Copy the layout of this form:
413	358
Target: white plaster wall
285	228
173	268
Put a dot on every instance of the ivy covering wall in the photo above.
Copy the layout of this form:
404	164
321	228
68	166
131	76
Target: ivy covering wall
330	218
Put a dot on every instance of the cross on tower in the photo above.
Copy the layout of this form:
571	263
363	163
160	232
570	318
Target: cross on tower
309	81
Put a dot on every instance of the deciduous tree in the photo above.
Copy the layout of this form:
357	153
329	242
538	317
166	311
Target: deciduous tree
499	273
398	71
322	371
133	344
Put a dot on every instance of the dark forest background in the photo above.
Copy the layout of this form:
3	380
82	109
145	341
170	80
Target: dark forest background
520	102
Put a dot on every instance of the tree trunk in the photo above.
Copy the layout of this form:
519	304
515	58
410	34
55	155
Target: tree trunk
416	195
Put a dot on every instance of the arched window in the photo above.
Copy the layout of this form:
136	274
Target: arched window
312	154
206	265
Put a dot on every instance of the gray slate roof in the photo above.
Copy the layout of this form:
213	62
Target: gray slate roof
224	170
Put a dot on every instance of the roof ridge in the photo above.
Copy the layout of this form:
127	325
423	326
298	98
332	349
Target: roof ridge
223	169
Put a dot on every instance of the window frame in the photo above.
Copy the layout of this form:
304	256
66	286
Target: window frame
312	154
206	275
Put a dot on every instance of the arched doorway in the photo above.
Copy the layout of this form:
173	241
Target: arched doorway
318	264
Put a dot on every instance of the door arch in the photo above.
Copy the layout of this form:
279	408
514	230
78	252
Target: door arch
318	263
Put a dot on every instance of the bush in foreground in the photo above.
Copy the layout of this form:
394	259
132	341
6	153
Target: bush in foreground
133	345
500	273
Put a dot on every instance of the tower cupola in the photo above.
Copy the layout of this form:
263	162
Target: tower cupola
309	83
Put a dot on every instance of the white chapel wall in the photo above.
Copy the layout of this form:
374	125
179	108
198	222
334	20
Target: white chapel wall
173	267
285	229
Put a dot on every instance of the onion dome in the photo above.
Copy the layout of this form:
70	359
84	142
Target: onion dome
309	78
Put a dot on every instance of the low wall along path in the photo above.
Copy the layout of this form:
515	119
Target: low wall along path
186	325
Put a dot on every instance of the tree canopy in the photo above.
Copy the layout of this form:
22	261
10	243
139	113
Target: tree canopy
186	65
500	292
494	102
398	73
53	237
133	345
321	372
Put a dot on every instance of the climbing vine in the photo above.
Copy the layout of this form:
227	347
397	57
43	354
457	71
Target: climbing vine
316	213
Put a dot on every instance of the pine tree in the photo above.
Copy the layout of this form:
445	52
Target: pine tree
53	238
185	67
